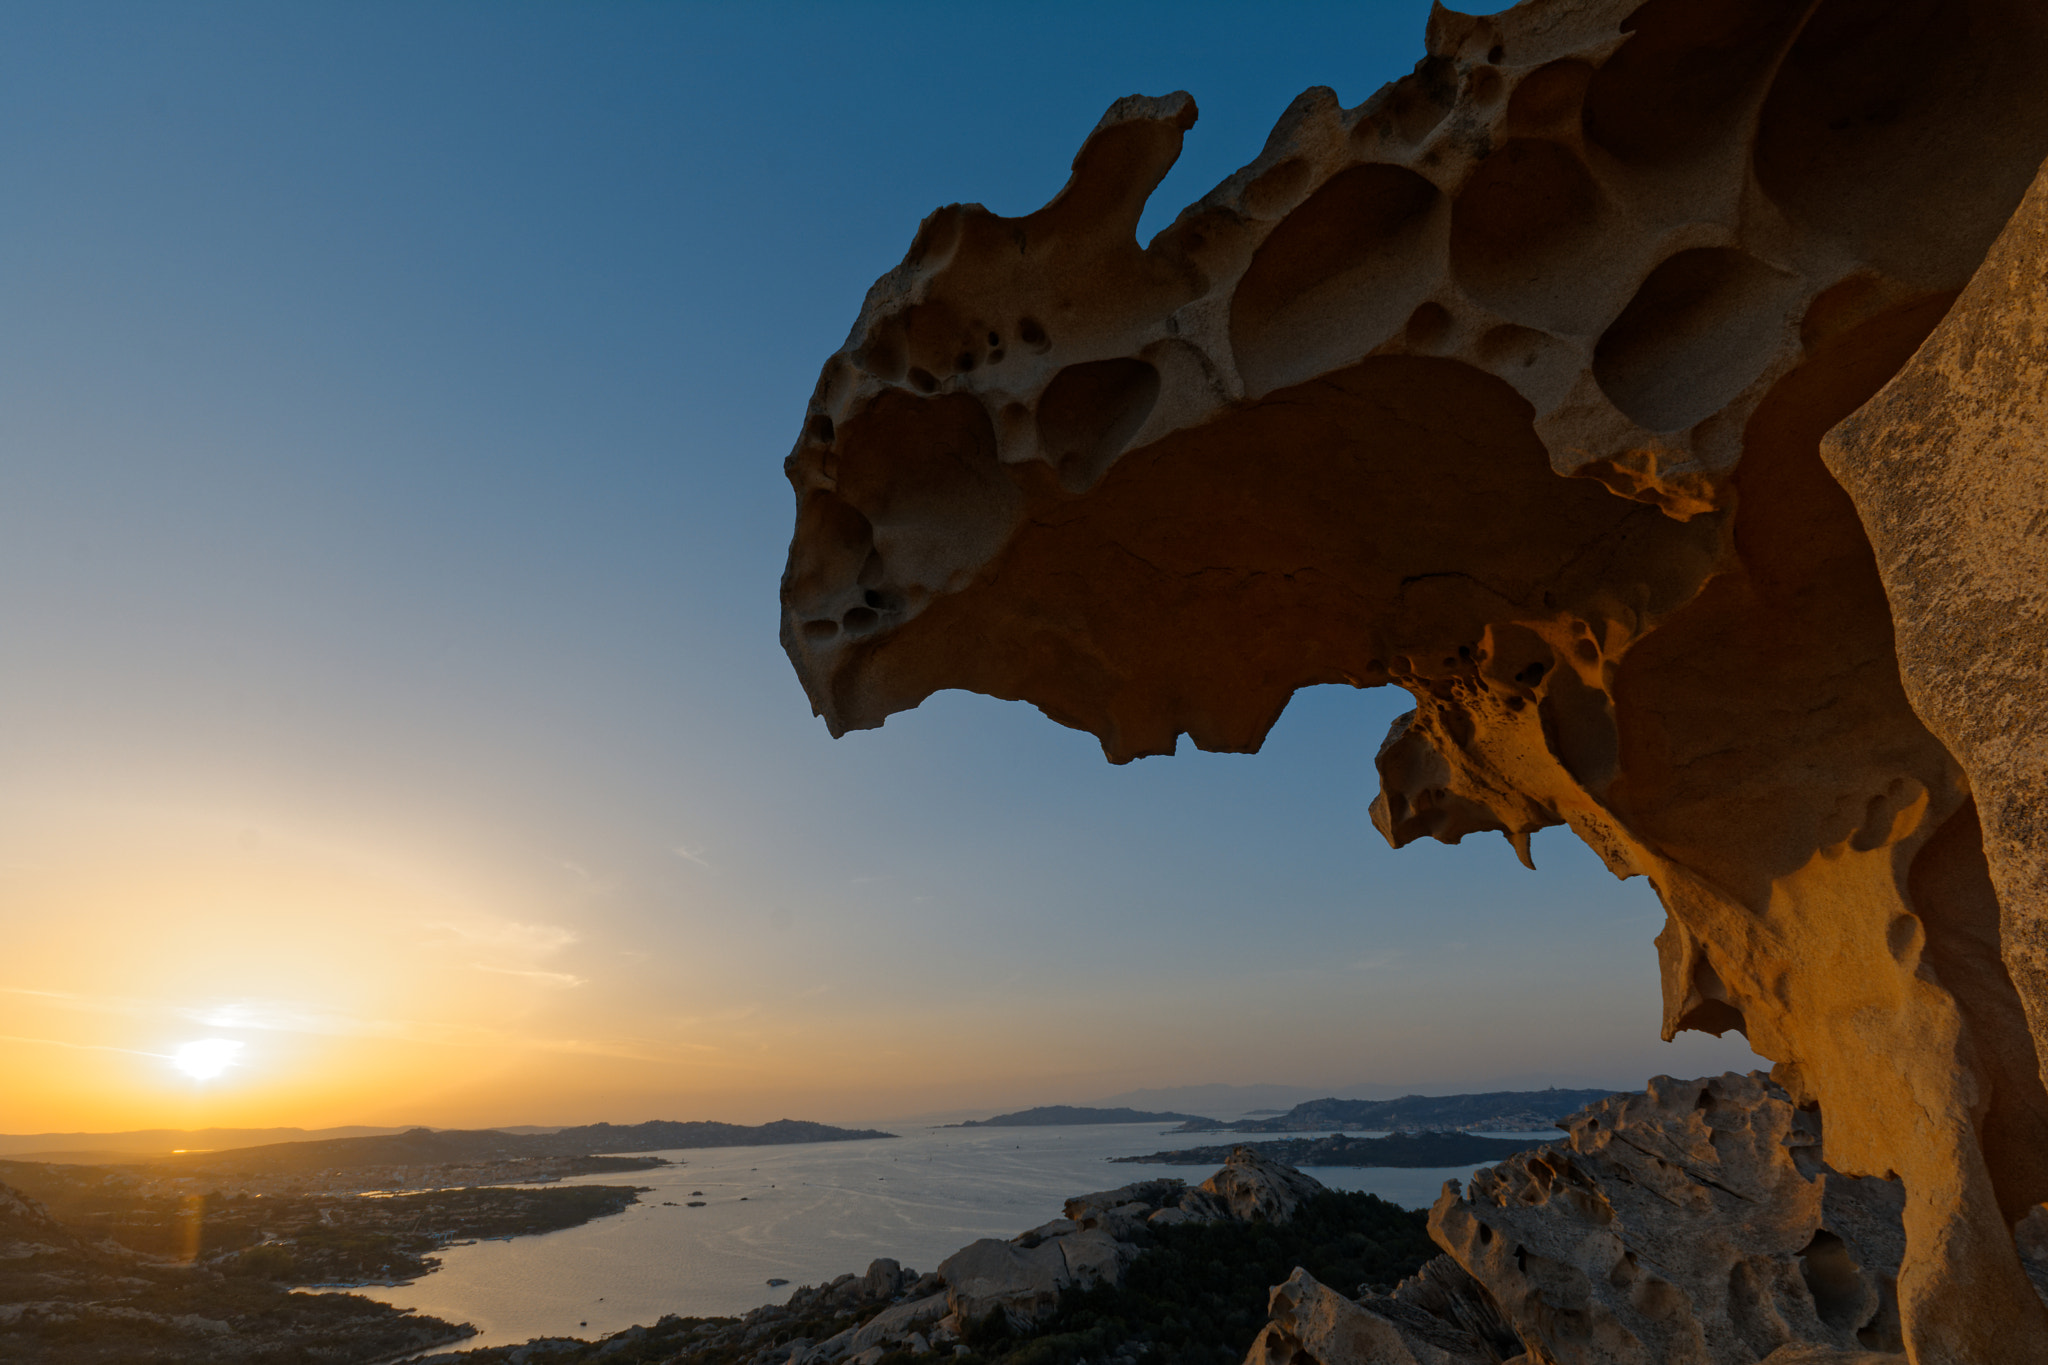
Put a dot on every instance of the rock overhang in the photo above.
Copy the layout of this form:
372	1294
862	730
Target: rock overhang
1506	387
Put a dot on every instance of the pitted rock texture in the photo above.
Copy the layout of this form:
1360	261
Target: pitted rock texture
1948	466
1697	1224
1507	387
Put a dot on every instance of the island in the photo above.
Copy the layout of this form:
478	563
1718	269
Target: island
1068	1115
1496	1111
1412	1151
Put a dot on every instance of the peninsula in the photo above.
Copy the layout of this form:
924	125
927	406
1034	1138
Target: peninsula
1497	1111
1068	1115
1413	1151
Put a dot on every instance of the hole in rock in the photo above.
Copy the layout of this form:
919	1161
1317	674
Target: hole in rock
860	620
994	340
965	362
922	381
820	630
1032	334
1496	54
1090	412
1428	324
1702	326
1526	232
1337	277
1832	1276
1684	73
1548	94
819	428
882	354
924	471
832	542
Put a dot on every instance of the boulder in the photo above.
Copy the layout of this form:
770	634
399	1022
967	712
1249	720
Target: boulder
896	1324
1087	1210
1312	1324
1095	1257
883	1279
1253	1189
987	1276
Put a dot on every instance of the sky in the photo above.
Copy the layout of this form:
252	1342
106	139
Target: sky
392	403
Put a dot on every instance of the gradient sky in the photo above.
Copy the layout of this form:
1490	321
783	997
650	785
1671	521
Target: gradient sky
392	402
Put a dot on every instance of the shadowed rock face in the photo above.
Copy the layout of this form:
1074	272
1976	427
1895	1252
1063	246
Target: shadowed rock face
1508	387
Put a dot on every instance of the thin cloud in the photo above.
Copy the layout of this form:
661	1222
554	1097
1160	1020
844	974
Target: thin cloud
694	855
559	980
535	940
83	1047
279	1017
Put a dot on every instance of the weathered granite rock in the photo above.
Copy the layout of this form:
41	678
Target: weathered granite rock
1697	1224
1253	1189
1948	467
992	1275
1508	387
1313	1324
898	1323
1101	1234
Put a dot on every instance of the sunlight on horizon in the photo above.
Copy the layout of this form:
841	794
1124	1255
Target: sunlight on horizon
205	1058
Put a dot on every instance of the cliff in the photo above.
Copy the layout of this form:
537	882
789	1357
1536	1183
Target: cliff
1510	387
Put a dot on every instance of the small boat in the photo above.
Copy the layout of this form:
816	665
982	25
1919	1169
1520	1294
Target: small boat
777	1284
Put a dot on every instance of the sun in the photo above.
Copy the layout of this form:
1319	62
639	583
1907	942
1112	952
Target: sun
206	1058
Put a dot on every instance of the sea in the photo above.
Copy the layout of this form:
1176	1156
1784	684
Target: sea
806	1213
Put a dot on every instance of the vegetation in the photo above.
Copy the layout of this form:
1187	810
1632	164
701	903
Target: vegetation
1198	1295
305	1239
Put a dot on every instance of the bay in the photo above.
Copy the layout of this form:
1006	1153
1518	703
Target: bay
805	1213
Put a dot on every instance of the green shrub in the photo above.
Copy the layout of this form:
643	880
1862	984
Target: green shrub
1198	1294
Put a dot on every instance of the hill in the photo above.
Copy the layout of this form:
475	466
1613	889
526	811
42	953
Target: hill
1066	1115
451	1146
1406	1150
159	1141
1498	1111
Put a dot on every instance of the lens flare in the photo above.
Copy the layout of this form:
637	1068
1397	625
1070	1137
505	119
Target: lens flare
206	1058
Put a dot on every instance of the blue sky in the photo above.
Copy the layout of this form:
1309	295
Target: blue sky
392	402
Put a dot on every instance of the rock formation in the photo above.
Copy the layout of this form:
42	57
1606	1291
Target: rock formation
1697	1224
1508	387
1024	1277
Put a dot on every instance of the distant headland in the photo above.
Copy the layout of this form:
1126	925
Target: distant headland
1068	1115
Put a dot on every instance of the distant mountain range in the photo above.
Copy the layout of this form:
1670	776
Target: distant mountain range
1065	1115
1498	1111
428	1147
156	1141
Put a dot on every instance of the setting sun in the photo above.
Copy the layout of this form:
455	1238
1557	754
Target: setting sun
206	1058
